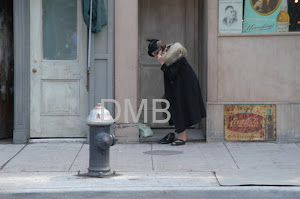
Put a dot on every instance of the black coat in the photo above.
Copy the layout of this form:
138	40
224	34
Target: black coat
183	91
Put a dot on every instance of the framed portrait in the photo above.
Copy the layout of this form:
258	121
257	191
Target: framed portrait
230	16
265	7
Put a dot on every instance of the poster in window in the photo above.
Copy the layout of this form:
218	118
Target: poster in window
261	16
230	16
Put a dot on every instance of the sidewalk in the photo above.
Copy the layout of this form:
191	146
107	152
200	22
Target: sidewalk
210	168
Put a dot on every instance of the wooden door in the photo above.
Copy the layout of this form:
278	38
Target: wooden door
58	98
170	21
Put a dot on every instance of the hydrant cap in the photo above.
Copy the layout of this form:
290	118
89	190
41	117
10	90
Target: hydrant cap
96	117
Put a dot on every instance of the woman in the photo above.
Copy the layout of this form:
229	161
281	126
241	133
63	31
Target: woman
182	88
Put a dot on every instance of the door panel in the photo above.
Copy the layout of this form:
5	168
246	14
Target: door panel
170	21
101	75
59	29
58	95
53	100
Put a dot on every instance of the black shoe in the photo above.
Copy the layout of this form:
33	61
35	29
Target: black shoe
169	138
163	139
178	142
166	137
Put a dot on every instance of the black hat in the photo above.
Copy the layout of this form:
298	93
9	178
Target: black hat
152	47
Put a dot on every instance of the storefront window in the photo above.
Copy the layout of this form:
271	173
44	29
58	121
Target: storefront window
294	12
60	29
259	16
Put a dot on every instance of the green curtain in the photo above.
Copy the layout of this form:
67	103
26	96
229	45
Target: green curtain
99	18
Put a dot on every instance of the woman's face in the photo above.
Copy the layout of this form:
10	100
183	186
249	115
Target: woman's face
156	53
161	49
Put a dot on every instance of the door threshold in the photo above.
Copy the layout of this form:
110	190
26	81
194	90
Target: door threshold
193	135
58	140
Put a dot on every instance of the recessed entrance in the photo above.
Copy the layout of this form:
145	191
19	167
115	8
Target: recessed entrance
170	21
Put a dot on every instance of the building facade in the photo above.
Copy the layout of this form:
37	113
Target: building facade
54	88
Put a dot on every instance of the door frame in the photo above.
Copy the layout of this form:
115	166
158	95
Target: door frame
21	22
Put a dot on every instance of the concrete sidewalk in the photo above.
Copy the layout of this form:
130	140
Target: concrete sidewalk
213	169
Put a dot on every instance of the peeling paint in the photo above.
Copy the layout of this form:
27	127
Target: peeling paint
6	69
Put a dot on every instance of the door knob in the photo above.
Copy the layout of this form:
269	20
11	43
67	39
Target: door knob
34	70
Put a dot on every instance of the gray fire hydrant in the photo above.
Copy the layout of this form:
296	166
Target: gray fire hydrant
101	139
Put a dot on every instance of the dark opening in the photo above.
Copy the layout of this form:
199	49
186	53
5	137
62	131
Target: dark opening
6	69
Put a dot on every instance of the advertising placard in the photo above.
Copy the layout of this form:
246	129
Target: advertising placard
230	16
261	15
250	122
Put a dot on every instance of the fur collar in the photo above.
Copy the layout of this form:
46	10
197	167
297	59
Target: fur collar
174	53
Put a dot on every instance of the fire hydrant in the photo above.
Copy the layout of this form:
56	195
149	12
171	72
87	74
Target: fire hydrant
101	140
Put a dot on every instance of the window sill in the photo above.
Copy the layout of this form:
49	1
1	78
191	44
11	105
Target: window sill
259	34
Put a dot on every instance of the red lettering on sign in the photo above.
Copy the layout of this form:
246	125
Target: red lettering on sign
245	122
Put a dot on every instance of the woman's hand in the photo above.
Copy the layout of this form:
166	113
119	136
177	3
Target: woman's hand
159	56
160	59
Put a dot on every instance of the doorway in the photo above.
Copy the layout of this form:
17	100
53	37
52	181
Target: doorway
170	21
58	94
6	69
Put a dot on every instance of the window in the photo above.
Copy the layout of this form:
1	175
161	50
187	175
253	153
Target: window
294	13
259	16
60	29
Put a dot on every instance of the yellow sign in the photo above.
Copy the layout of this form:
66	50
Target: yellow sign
250	122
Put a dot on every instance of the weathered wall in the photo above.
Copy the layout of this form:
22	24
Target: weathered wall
263	68
6	69
252	69
126	65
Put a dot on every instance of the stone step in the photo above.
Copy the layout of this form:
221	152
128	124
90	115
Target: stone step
192	135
